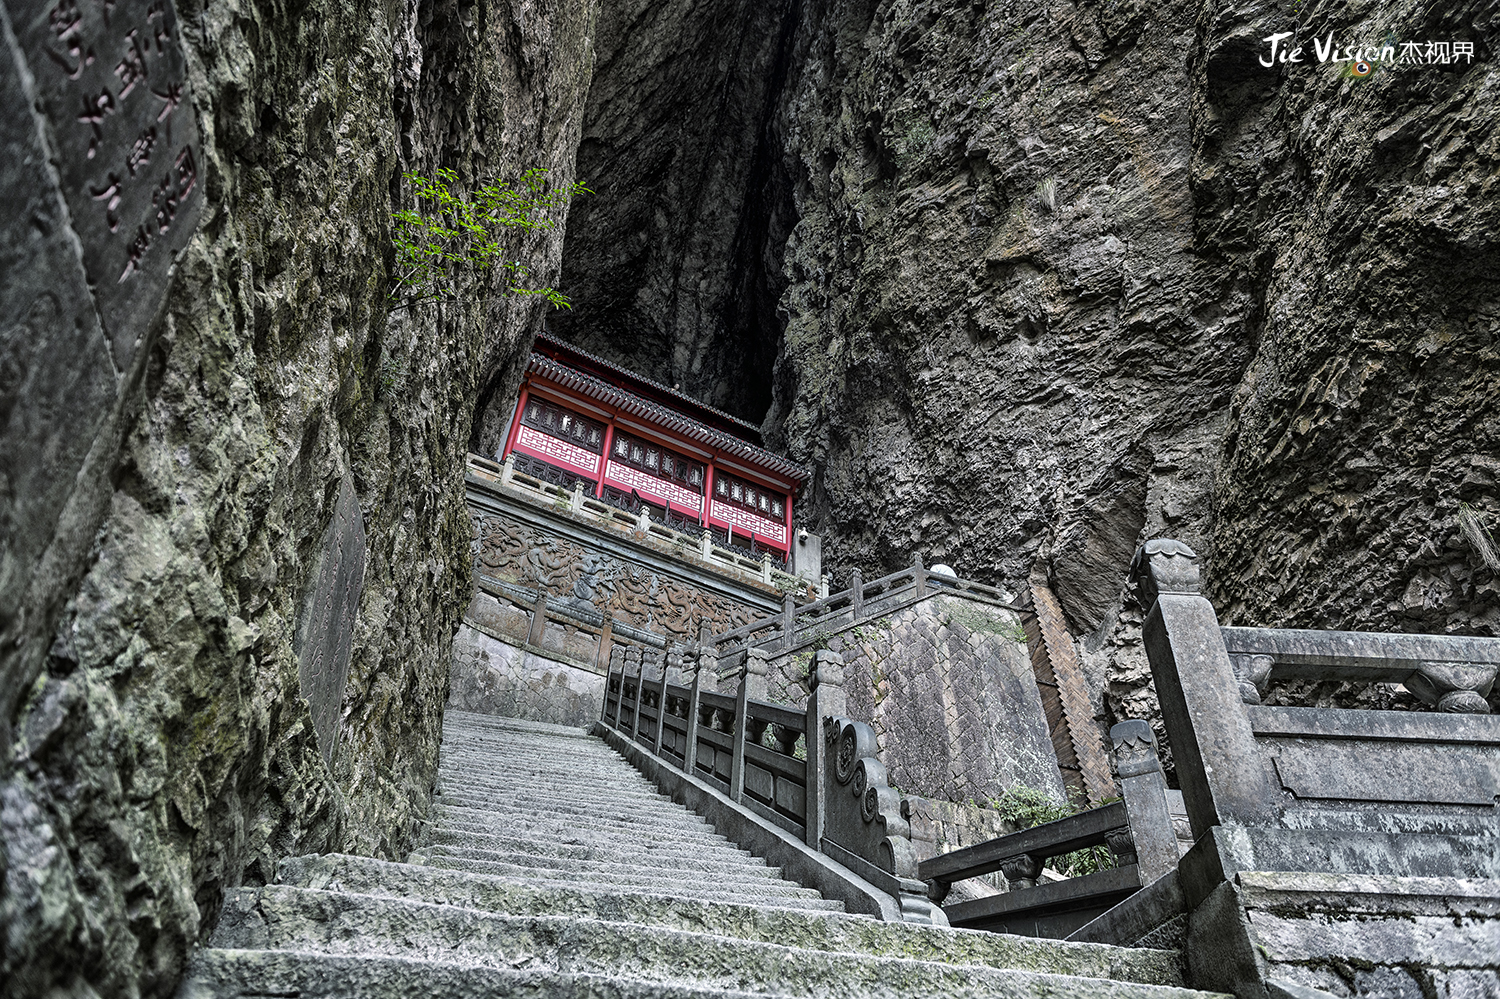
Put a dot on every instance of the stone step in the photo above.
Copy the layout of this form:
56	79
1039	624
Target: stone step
473	819
462	721
770	923
282	918
602	785
548	757
654	904
666	853
232	974
662	812
586	872
606	824
505	758
586	799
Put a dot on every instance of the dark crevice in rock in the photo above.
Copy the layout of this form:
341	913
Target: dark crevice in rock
674	264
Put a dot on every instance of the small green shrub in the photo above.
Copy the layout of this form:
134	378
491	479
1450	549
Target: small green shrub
447	233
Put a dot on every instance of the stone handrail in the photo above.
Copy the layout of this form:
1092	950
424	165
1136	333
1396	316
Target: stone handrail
1137	830
860	601
1348	773
834	796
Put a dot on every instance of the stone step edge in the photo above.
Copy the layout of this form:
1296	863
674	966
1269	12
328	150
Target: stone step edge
580	941
756	873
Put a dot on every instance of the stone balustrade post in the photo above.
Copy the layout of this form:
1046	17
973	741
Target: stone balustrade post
826	701
634	668
1223	775
538	619
705	672
664	661
918	575
575	502
788	621
857	594
1144	788
752	687
507	469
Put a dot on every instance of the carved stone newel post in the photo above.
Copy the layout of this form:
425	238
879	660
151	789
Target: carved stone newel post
1153	843
862	824
1223	776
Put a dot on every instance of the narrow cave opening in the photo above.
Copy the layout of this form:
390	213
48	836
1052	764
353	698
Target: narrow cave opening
674	263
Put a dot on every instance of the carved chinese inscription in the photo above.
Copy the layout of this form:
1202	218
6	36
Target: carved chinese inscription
111	81
326	634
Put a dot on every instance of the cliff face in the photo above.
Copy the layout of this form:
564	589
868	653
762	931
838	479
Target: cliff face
1059	277
1358	467
675	264
163	748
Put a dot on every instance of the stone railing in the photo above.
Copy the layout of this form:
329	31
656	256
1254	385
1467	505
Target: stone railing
693	546
1245	764
603	633
859	602
813	773
1137	830
1324	838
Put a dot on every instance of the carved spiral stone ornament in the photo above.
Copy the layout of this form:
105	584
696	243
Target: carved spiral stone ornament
869	804
847	757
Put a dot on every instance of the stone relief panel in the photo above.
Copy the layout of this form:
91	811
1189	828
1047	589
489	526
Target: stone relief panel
507	549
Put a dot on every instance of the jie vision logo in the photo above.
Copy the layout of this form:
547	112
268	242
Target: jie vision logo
1360	62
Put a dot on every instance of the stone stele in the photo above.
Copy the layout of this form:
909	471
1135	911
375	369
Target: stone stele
325	636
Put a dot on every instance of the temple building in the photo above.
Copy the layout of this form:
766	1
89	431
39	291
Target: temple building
618	516
640	445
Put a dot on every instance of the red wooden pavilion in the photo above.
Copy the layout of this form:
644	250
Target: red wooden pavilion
637	443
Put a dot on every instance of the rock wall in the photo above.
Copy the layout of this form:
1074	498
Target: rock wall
1061	275
677	260
159	745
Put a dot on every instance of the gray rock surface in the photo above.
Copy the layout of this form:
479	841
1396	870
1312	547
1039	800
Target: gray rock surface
554	919
157	749
1059	277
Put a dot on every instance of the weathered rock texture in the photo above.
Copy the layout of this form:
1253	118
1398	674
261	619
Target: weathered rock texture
1064	275
677	261
162	749
948	687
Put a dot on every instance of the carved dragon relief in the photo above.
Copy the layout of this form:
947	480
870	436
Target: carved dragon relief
507	549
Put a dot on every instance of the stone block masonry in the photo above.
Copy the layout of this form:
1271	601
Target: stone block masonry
492	676
948	686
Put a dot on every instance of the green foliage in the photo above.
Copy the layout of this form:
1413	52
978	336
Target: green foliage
1027	807
447	233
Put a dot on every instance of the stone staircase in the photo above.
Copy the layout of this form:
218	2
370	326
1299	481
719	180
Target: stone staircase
553	868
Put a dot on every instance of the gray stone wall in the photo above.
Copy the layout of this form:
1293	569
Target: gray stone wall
494	677
947	685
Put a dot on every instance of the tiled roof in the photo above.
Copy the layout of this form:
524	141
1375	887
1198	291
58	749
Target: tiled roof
633	376
597	388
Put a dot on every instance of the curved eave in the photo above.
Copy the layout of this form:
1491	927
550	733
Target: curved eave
600	391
